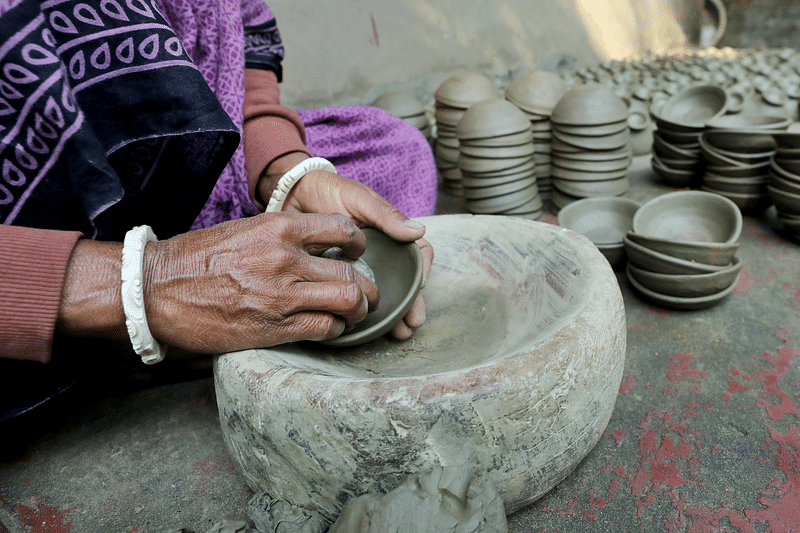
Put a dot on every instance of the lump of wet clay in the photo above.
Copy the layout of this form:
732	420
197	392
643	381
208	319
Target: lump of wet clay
359	264
439	500
268	515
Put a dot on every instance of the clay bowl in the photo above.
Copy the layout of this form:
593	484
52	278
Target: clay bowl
743	143
678	302
511	304
492	118
790	223
527	165
709	253
497	152
465	89
511	139
669	150
790	140
398	273
589	104
593	131
583	189
683	139
786	202
611	165
752	186
614	141
714	157
586	155
400	104
739	171
603	220
561	199
677	164
745	202
689	285
779	182
587	175
691	216
648	259
498	204
741	121
787	168
488	165
692	108
537	91
676	177
477	193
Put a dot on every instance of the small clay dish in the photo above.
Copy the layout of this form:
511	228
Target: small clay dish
691	216
473	181
593	131
583	189
612	165
676	177
677	302
739	171
502	203
527	166
537	91
464	89
779	182
587	175
479	193
400	104
397	267
531	207
709	253
670	150
790	224
751	186
745	202
741	121
497	152
712	156
614	141
648	259
693	107
599	155
561	199
742	143
677	164
682	139
491	118
785	202
512	139
689	285
486	165
589	104
789	140
787	168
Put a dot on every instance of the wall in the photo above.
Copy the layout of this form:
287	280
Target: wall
762	23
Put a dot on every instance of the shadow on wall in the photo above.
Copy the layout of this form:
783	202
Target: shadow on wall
348	51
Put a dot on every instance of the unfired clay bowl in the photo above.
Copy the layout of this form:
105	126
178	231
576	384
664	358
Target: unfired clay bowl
693	107
589	104
692	216
604	221
464	89
647	259
744	121
710	253
678	302
688	285
516	370
397	267
491	118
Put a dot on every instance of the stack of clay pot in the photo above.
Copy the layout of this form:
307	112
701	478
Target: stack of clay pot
590	152
496	159
737	150
536	94
407	107
680	120
452	99
784	184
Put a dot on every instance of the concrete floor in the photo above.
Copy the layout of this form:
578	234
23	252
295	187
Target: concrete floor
705	436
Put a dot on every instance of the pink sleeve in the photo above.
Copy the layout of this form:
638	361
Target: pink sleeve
33	266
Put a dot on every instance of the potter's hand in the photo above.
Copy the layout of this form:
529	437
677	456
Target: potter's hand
325	192
255	282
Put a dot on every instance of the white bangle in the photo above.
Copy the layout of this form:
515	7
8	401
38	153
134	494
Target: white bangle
289	179
150	350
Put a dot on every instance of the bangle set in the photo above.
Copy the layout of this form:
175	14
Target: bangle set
145	346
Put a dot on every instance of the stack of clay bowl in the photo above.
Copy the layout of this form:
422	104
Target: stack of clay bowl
536	94
407	107
737	151
784	183
453	97
590	150
498	172
680	120
682	249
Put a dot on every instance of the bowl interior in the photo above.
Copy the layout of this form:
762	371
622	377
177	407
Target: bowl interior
498	285
603	220
692	216
694	106
397	268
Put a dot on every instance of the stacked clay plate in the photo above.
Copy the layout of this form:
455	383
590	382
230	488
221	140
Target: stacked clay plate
680	120
407	107
590	152
536	94
784	182
682	249
452	99
498	171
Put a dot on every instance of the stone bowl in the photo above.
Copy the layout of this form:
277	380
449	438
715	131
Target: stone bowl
691	216
604	220
516	371
397	267
709	253
688	285
679	302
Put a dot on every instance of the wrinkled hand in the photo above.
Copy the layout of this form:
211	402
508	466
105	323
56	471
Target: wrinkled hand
256	282
326	192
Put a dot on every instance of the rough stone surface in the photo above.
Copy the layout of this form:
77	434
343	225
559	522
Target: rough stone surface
516	369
